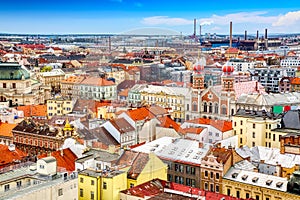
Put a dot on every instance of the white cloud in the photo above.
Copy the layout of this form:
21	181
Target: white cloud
288	19
165	20
237	18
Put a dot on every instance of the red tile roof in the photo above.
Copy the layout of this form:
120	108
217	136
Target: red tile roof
65	159
295	81
222	154
167	122
97	81
34	110
122	125
5	129
193	130
9	157
221	125
157	187
74	79
140	114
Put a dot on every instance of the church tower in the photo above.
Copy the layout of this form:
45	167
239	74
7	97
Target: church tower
227	81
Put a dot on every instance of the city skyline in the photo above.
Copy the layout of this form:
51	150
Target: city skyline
121	16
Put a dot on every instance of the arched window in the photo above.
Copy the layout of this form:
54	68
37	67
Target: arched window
210	107
205	107
224	110
216	108
195	106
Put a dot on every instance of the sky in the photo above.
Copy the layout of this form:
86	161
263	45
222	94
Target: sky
121	16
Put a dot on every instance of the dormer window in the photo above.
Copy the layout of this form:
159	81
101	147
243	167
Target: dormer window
269	182
255	179
234	175
279	184
244	177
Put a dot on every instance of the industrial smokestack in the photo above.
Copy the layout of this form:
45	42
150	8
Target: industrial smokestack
257	34
195	24
266	38
245	35
200	33
230	36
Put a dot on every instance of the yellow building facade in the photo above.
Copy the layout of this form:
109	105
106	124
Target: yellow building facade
59	106
256	131
244	190
165	100
96	185
154	168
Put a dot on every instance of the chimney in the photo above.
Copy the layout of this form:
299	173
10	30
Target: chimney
257	34
230	36
200	145
245	35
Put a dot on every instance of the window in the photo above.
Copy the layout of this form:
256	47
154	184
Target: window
104	185
92	195
131	185
188	169
81	180
211	175
247	195
241	140
253	125
217	188
210	107
234	123
81	192
19	183
241	131
188	182
228	192
253	135
212	187
14	85
266	135
256	197
193	170
206	186
274	137
6	187
60	192
187	107
217	176
253	144
170	177
92	182
205	107
238	194
42	167
193	183
241	123
4	85
206	173
216	108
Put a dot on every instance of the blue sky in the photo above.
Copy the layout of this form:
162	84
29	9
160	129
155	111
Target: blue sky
119	16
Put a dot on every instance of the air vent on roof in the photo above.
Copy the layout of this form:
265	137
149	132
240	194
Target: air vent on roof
244	177
269	182
234	175
279	184
255	179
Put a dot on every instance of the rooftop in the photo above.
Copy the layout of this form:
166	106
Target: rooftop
257	179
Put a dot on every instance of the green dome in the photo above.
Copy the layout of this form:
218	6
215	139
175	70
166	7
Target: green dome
13	71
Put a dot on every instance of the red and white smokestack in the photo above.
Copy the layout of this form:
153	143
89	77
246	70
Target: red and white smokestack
230	36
